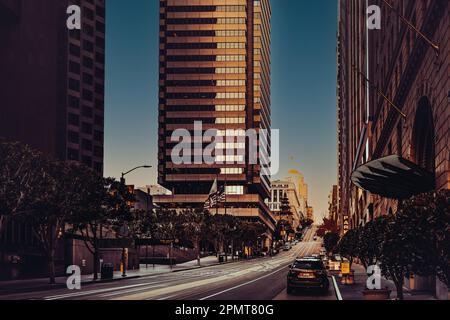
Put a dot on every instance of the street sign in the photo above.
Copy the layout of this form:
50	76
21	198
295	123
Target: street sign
345	267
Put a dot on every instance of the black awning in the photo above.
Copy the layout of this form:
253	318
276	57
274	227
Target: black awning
393	177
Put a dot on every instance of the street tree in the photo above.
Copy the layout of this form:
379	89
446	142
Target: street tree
330	241
348	245
395	258
441	231
62	197
193	227
93	213
21	172
328	225
370	241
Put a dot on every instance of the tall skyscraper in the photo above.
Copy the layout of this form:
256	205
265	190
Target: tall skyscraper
215	68
52	98
402	111
52	78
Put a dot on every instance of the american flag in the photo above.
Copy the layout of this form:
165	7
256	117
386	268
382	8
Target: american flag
216	196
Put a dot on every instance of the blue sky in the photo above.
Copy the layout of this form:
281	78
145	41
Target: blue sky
303	90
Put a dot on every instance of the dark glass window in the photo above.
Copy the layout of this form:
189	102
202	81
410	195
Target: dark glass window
74	119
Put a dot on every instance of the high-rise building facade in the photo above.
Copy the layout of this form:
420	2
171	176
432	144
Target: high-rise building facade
402	108
52	78
401	121
353	113
51	98
215	69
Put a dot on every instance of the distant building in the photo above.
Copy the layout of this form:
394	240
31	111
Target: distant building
215	68
280	189
155	190
333	203
310	213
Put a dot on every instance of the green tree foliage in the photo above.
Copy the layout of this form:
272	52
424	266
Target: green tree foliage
348	245
22	170
417	239
330	241
371	240
328	225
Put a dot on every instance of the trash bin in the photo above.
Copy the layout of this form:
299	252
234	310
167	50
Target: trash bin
107	271
221	258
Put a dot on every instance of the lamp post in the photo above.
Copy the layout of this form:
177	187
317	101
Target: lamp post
124	228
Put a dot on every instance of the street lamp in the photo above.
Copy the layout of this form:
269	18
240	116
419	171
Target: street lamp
124	229
129	171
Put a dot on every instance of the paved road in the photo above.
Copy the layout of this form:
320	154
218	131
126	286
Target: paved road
260	279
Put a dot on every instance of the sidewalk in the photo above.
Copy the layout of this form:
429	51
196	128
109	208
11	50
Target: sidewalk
354	292
41	284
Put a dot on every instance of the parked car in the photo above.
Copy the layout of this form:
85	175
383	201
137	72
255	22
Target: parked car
287	247
307	273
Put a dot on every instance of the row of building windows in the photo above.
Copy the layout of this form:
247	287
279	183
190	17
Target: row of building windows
231	133
205	83
230	120
231	45
207	21
230	95
219	58
206	95
230	159
206	70
74	155
231	21
231	33
207	45
230	83
74	120
232	145
207	33
230	8
74	103
230	108
230	58
191	58
231	170
234	190
230	70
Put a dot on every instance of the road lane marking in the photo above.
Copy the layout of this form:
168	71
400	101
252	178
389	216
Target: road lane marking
242	285
165	298
336	289
131	291
85	293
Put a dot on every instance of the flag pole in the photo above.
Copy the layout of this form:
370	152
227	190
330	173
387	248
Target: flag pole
225	193
413	27
217	197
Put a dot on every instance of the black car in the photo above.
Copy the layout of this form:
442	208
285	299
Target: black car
307	273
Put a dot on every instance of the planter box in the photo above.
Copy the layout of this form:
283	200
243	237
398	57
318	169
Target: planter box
383	294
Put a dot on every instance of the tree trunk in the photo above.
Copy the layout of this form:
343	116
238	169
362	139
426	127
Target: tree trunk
96	263
226	251
198	253
2	223
51	267
399	288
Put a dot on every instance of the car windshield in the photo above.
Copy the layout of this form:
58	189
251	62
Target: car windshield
308	265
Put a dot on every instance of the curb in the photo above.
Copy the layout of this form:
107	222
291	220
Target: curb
87	282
